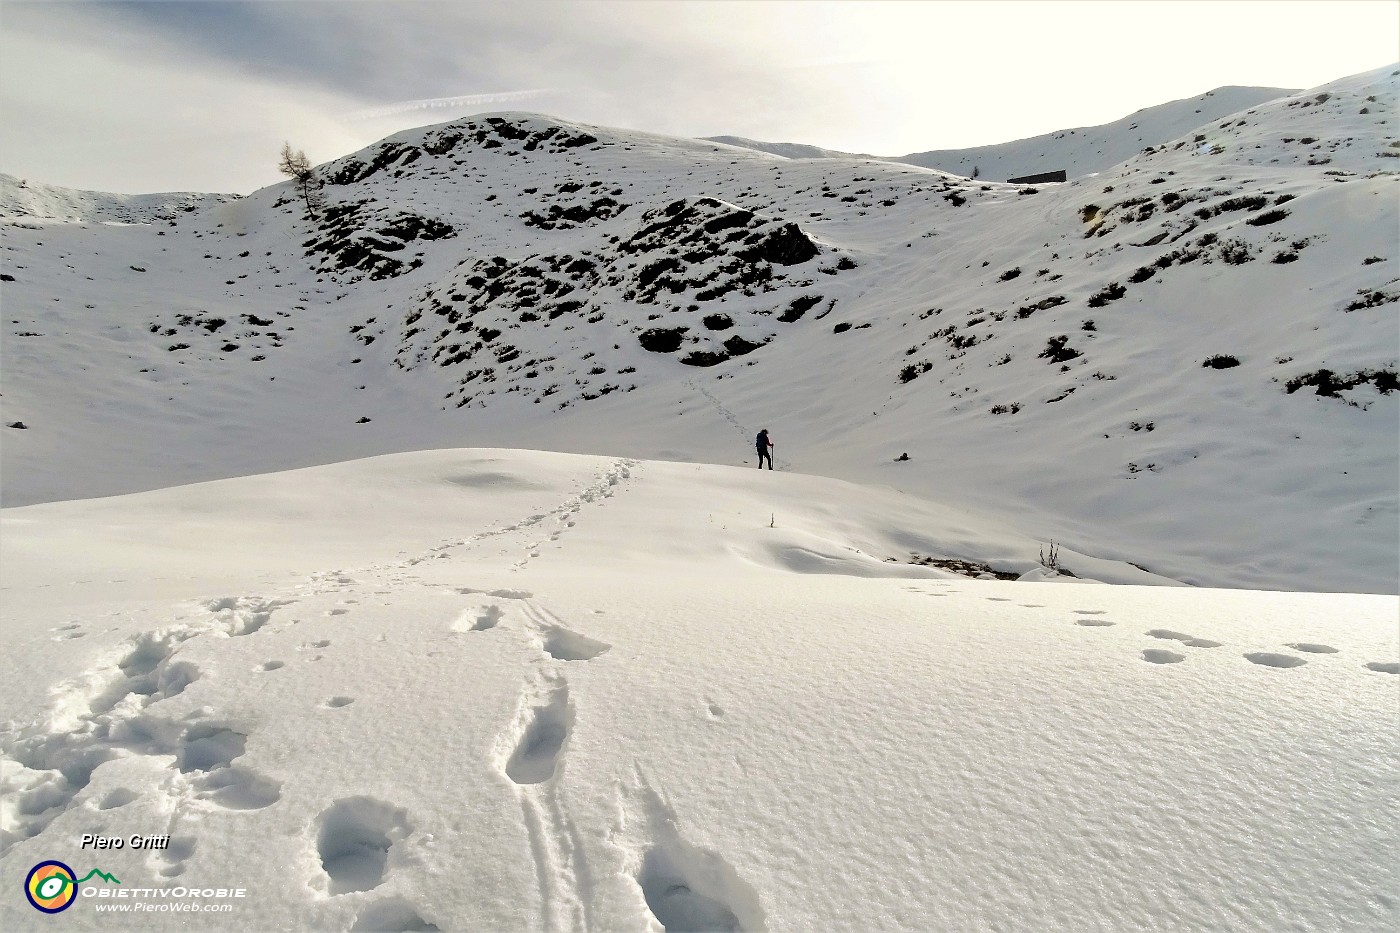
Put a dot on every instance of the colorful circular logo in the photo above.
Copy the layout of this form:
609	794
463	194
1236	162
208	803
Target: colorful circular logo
51	887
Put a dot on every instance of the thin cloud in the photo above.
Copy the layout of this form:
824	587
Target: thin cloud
461	102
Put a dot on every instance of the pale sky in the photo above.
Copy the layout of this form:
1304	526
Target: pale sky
141	96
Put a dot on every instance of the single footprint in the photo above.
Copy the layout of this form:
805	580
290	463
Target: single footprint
1090	612
171	860
393	914
354	838
207	753
1097	623
209	748
1159	656
488	619
564	645
1312	648
271	666
118	797
689	888
1187	640
1383	667
543	730
1269	659
338	702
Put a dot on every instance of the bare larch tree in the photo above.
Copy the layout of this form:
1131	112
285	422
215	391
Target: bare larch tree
297	166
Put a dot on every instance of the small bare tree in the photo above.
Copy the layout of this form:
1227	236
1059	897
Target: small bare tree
297	166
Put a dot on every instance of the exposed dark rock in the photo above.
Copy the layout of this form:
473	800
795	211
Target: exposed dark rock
1332	385
562	214
354	236
798	307
353	170
704	358
662	339
1371	299
738	346
1053	301
712	247
967	568
786	246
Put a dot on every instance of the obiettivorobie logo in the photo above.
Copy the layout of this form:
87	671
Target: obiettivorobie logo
52	886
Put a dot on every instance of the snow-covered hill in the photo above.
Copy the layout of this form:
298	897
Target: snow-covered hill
1087	150
1186	363
514	690
1081	151
24	201
787	150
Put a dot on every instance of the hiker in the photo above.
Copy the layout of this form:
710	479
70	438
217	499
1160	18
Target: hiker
765	448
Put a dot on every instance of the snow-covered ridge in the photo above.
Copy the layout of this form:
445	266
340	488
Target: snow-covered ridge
1087	150
23	200
1081	151
786	150
1186	362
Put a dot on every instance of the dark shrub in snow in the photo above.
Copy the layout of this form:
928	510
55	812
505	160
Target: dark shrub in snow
1110	292
1266	218
1056	350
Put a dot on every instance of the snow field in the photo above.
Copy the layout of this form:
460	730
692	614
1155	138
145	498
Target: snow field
560	696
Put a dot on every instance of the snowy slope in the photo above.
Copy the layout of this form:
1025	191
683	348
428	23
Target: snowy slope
1060	358
1087	150
786	150
1081	151
24	201
495	690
